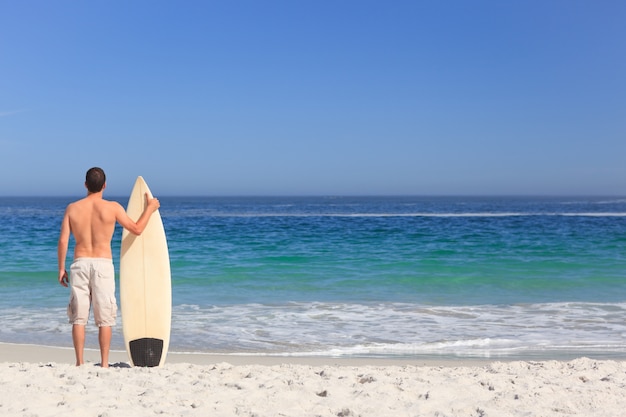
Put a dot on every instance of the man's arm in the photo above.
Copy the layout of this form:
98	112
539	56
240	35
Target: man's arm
64	240
136	228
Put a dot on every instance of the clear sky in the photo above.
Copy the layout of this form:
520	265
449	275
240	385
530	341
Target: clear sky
314	97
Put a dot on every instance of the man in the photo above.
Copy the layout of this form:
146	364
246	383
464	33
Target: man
92	222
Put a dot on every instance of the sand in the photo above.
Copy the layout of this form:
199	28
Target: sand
41	381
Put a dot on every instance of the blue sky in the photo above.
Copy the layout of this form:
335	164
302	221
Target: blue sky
306	97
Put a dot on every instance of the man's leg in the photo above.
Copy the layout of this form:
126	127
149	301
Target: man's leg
78	336
104	336
78	308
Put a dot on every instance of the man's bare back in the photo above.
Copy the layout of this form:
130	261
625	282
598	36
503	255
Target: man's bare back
92	220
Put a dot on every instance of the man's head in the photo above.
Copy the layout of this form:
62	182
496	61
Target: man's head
95	180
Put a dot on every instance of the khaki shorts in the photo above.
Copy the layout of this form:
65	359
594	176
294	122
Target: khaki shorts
92	282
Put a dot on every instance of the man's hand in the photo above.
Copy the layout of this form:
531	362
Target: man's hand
63	279
152	203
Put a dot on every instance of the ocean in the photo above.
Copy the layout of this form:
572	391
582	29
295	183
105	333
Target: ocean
467	277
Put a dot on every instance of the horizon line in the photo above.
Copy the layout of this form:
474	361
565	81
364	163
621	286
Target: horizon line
481	195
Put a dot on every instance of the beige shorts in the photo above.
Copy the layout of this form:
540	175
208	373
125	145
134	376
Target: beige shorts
92	283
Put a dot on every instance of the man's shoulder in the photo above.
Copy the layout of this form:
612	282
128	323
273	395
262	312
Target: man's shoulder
112	205
75	204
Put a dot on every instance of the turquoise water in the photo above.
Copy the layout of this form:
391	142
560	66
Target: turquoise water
366	276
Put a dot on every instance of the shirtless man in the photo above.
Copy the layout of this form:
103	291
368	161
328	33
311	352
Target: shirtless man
92	222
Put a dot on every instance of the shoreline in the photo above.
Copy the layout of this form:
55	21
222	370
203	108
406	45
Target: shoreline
34	353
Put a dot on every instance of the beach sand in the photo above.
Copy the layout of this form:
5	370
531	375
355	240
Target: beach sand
42	381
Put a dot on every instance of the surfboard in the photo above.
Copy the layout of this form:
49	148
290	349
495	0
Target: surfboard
145	285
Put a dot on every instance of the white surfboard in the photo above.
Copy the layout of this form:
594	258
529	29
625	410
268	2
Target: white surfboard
145	285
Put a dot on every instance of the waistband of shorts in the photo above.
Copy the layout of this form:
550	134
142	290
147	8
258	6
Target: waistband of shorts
87	259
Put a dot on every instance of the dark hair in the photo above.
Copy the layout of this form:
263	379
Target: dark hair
95	179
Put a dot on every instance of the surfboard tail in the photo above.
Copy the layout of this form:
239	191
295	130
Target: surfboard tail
146	352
